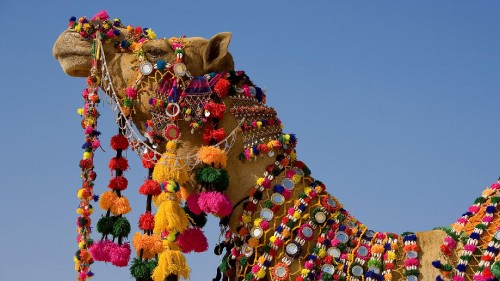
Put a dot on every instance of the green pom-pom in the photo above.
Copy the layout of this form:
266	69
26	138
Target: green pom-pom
447	267
198	220
152	264
268	204
139	269
121	228
375	263
495	269
479	200
495	200
326	277
105	225
216	178
243	261
249	276
128	103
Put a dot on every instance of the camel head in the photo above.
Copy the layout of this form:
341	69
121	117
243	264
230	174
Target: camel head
200	55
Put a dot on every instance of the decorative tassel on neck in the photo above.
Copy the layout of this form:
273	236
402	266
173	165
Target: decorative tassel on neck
169	167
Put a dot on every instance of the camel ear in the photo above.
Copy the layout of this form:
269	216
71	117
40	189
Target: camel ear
216	54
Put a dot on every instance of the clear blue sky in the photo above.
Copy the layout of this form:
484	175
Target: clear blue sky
395	103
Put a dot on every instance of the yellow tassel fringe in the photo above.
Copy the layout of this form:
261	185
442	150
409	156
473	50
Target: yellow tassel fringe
169	167
171	262
170	217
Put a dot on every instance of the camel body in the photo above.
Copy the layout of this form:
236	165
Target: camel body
203	56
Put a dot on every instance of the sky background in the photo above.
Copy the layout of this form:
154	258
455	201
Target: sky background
395	104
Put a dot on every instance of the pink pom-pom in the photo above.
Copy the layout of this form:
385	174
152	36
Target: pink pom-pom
100	250
289	174
215	203
335	242
474	209
495	185
411	262
255	268
110	34
266	183
85	93
192	203
82	275
291	211
451	242
96	144
88	130
264	224
131	93
286	193
102	15
192	239
462	220
469	247
458	278
488	219
120	255
309	264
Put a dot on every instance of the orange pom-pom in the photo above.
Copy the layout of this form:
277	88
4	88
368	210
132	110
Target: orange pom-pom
120	206
213	155
107	199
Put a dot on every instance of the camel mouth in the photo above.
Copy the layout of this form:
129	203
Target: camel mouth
73	53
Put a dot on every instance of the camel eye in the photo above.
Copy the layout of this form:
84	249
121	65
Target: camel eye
155	53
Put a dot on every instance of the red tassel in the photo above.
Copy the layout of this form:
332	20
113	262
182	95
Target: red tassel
119	183
119	142
210	134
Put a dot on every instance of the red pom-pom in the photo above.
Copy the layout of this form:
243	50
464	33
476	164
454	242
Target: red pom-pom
119	142
149	160
147	221
446	250
118	163
150	187
216	109
119	183
192	239
222	87
86	163
192	203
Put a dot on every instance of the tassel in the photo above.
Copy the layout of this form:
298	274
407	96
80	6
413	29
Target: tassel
169	167
151	245
171	261
170	217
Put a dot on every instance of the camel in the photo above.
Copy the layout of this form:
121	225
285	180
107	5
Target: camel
351	251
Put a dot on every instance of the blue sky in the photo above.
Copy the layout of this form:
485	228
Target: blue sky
395	104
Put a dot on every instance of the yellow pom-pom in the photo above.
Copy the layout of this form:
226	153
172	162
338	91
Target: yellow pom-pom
322	253
261	273
272	239
130	28
107	199
246	218
79	211
391	255
260	181
304	271
120	206
257	221
293	155
151	34
259	124
172	235
296	215
78	27
86	26
188	110
79	111
213	155
82	244
87	155
296	178
388	276
171	146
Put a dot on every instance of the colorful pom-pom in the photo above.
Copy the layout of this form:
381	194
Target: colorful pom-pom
147	221
120	255
213	155
192	203
215	203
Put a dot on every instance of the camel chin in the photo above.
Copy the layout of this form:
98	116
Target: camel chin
73	54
